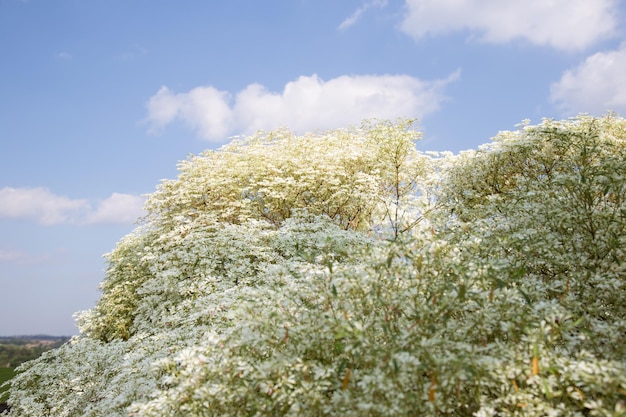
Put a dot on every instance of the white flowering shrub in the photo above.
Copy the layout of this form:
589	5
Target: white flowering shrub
346	273
552	201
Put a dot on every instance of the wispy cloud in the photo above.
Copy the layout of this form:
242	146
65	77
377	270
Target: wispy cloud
354	17
561	24
65	56
46	208
595	86
304	104
134	51
22	258
10	256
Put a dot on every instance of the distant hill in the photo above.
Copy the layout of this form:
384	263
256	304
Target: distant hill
15	350
34	337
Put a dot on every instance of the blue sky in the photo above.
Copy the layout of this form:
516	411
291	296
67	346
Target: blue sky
99	100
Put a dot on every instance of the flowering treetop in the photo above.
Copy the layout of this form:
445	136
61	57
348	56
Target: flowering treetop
346	273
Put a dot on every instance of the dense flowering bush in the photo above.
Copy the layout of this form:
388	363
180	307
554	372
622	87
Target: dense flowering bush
346	273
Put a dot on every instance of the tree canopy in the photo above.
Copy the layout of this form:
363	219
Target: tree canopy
347	273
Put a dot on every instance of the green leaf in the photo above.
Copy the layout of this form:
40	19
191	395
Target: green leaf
462	292
526	297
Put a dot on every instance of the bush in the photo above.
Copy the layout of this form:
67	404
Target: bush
345	273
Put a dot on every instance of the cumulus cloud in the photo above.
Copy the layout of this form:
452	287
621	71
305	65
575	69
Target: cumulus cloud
119	208
561	24
304	104
354	17
41	205
595	86
205	109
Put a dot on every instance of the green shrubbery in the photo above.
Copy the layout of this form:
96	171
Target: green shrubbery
5	375
346	273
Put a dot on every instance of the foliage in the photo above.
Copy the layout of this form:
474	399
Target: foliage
346	273
552	201
5	375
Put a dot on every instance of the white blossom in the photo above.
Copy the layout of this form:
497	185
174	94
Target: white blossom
345	273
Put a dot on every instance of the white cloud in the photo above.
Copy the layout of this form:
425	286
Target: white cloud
44	207
11	256
18	257
39	204
595	86
205	109
119	208
307	103
354	17
561	24
64	55
133	52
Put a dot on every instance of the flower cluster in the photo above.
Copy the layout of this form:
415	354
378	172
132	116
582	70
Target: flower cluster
346	273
